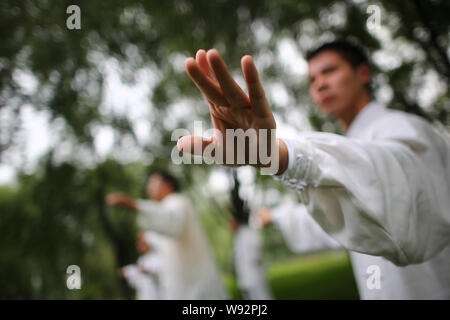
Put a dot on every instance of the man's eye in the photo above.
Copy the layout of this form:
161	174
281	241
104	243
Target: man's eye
329	70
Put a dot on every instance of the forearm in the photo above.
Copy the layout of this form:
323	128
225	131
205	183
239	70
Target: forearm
129	204
121	200
352	189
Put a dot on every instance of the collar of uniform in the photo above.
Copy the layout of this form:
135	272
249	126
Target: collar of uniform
364	118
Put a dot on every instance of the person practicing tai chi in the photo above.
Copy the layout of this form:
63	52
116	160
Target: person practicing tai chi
188	270
300	232
381	191
248	262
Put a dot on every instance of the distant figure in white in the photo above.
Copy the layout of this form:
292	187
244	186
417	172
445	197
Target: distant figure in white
188	269
250	273
143	276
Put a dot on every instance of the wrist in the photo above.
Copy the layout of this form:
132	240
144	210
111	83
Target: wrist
279	161
283	156
132	205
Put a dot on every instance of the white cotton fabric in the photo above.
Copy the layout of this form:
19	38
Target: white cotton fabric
384	191
188	269
427	280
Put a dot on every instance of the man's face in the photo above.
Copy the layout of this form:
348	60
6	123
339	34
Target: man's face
334	85
157	188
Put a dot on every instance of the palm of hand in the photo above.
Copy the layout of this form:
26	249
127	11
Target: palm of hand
230	106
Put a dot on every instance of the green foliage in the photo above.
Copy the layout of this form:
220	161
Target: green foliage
51	220
149	34
326	275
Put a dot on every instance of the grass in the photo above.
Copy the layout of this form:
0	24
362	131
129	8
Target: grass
326	275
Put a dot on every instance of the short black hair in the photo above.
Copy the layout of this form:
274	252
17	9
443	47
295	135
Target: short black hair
349	50
168	177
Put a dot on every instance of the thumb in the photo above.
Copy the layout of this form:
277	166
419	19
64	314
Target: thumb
193	144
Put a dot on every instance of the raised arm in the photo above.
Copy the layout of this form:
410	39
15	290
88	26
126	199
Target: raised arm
387	197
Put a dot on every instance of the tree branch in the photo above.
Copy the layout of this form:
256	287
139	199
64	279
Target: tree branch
426	21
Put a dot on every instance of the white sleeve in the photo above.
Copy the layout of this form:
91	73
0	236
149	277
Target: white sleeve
301	233
387	197
165	218
247	256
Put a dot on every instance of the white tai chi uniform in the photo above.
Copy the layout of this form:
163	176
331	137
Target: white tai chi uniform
249	265
188	269
384	191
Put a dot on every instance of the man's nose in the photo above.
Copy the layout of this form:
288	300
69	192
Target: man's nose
321	84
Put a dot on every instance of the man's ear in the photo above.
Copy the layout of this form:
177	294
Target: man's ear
365	73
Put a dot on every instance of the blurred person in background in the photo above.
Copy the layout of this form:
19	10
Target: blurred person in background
247	248
300	232
248	262
188	269
143	276
381	191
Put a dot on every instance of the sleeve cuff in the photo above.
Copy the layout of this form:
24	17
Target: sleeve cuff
302	169
290	150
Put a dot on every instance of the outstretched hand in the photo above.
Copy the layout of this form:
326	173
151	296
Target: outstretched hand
121	200
231	108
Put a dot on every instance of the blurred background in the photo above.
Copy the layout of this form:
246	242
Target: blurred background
85	112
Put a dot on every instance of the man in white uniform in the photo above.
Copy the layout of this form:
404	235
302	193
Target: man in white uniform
383	190
143	276
188	269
